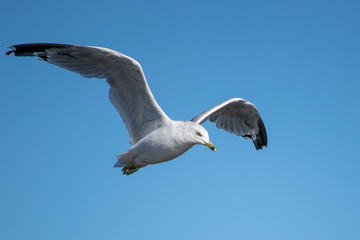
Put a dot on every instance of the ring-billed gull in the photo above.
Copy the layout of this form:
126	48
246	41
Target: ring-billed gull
154	137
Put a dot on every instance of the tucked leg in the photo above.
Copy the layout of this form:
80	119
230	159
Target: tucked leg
130	168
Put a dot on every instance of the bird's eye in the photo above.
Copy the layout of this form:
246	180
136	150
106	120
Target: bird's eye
198	134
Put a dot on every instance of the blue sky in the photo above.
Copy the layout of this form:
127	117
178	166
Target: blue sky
297	61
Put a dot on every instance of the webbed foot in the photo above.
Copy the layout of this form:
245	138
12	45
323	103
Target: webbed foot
130	168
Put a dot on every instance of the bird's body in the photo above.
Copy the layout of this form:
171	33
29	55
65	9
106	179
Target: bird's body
163	144
154	137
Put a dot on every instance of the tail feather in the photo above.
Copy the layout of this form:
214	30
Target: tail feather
122	161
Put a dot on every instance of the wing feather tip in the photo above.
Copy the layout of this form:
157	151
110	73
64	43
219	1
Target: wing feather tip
261	140
12	51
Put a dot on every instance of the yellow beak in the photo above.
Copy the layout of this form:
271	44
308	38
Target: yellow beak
211	146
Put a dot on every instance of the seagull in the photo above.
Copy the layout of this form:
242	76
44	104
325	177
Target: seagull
154	137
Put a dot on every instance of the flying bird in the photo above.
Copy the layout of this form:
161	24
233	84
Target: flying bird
154	137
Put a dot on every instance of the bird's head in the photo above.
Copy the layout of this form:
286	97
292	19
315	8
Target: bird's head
200	136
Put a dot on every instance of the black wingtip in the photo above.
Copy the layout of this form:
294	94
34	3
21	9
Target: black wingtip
28	49
12	51
261	138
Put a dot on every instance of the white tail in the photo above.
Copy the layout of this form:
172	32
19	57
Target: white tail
122	161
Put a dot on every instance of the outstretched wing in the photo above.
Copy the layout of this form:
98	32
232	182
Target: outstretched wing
237	116
129	92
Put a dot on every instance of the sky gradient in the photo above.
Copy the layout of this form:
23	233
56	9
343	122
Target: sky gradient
297	61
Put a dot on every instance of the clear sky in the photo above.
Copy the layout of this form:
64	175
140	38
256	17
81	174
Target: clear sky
297	61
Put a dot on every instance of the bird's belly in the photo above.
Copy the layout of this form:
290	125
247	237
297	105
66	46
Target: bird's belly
158	151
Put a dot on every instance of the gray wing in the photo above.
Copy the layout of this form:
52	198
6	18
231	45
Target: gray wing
237	116
129	92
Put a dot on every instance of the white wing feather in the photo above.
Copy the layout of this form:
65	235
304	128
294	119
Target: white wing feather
129	92
237	116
